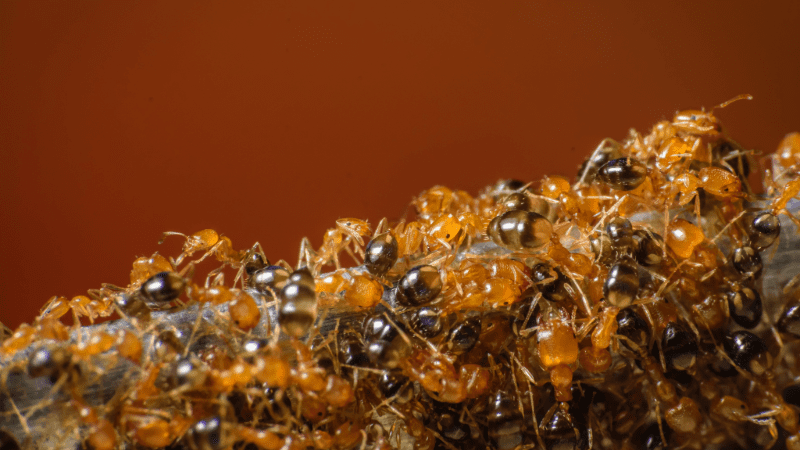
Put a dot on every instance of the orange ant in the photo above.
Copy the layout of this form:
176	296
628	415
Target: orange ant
714	180
702	122
212	243
680	138
346	236
789	191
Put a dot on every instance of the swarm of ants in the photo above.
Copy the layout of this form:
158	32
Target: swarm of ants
624	310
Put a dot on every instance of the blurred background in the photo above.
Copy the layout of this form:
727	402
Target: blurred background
267	121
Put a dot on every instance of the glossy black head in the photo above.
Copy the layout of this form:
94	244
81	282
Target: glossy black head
133	306
505	187
517	201
763	229
745	307
747	262
679	346
608	151
622	284
187	373
254	262
464	335
789	320
623	174
209	434
419	286
162	287
550	282
269	280
49	361
351	350
505	421
748	351
648	248
427	321
620	231
381	254
560	432
391	382
517	230
634	328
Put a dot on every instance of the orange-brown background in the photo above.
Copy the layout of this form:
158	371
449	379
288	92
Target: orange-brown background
269	120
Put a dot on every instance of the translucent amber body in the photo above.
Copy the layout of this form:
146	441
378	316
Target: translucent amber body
720	182
595	359
788	151
97	343
129	347
153	434
683	237
273	371
444	230
685	416
363	292
605	328
244	311
557	344
103	436
144	268
475	378
561	377
554	186
499	291
338	392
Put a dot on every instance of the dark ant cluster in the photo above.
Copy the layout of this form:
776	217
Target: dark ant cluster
648	305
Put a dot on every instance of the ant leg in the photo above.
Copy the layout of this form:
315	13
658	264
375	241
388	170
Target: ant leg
352	255
380	227
260	249
175	262
307	254
284	264
240	272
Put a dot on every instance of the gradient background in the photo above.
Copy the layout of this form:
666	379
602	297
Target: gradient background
267	121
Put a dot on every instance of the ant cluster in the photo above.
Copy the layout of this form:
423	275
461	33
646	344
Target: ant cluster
638	308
